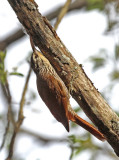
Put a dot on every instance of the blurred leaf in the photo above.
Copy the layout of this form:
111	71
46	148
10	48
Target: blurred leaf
3	77
15	69
78	144
77	109
117	52
16	74
3	73
111	25
114	75
98	62
95	4
2	55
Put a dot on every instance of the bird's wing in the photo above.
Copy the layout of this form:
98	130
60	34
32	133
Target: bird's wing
54	93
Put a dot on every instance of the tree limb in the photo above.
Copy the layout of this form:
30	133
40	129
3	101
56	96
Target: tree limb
73	75
43	139
11	39
62	13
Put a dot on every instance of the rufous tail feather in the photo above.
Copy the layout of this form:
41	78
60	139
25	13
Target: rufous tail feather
78	120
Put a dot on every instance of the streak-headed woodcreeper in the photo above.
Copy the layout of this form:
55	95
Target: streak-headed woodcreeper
55	94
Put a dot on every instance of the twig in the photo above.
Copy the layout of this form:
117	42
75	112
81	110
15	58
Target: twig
10	115
9	97
6	130
11	38
62	13
20	117
43	139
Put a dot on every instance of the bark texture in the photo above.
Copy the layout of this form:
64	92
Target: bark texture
80	86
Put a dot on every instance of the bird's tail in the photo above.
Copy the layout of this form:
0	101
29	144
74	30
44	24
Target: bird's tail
78	120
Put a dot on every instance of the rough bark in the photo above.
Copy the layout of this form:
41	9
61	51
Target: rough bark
80	86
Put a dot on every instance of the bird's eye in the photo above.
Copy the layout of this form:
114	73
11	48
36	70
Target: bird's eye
35	56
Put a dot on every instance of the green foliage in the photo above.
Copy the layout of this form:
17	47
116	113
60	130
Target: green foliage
102	59
16	74
95	4
81	144
99	60
3	73
114	75
117	52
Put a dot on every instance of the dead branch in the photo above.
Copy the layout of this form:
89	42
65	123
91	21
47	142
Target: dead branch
20	118
43	139
10	115
73	75
62	13
11	38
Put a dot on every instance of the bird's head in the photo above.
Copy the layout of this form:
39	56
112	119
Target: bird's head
38	61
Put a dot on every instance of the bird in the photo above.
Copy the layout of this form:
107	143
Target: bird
55	94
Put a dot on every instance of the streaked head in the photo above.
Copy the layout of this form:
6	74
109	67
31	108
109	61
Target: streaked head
38	61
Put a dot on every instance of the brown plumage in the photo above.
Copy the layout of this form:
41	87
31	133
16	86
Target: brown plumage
54	93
